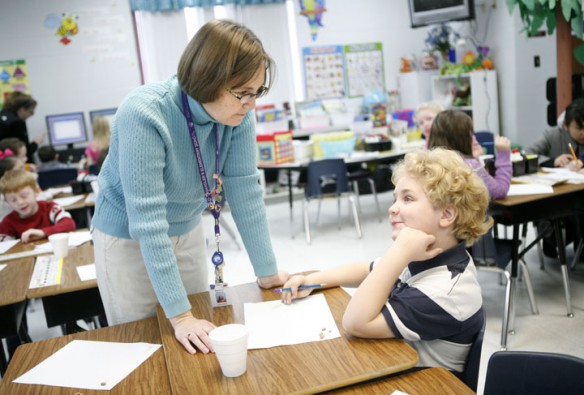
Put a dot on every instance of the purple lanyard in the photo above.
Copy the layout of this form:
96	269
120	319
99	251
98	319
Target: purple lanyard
215	197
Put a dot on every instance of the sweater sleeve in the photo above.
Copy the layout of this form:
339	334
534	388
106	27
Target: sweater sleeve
244	195
141	168
60	219
497	186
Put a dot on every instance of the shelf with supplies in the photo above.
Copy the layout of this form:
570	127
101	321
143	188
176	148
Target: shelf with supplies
475	93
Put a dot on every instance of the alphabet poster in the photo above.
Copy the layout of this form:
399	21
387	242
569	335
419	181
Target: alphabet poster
13	77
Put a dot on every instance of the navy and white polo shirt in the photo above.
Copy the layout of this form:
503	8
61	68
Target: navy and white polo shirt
436	306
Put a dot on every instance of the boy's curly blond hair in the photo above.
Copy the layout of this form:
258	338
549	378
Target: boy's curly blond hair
447	180
15	180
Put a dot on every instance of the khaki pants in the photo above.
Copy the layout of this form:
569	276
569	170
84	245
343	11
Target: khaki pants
123	281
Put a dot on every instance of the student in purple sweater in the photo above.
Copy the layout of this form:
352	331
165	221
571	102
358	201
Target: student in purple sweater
453	129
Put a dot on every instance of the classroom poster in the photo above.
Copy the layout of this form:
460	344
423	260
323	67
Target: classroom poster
324	72
13	77
364	65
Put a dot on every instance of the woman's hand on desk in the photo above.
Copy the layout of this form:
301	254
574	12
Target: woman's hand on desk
189	330
273	281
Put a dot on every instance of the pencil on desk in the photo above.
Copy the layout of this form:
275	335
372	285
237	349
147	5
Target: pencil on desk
572	150
300	288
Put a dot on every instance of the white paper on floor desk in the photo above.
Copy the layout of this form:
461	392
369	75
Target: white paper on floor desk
274	323
89	364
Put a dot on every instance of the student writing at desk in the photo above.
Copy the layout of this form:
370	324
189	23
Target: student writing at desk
180	147
31	219
424	289
555	144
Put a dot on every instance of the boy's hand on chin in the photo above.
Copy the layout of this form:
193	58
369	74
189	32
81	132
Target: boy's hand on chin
417	245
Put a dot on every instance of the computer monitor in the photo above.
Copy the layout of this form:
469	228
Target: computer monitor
66	129
108	113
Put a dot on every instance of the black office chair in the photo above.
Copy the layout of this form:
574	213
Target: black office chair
470	376
328	177
487	141
534	373
57	177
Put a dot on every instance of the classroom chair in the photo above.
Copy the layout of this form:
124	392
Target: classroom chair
328	178
487	141
57	177
494	254
470	376
534	373
364	175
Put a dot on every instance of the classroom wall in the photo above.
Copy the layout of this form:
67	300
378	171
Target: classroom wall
100	66
95	71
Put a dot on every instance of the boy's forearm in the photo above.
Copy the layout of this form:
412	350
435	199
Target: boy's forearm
349	275
372	294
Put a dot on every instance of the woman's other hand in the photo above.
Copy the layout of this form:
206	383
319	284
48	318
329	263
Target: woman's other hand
189	330
273	281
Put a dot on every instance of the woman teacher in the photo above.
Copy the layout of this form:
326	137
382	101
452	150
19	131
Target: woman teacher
180	147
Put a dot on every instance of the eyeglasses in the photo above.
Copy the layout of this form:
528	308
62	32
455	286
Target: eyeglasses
246	98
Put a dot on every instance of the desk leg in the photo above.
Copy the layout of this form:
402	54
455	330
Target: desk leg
564	266
291	202
508	324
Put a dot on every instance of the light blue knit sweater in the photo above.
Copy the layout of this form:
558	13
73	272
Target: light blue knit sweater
150	187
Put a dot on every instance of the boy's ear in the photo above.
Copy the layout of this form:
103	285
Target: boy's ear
37	190
449	214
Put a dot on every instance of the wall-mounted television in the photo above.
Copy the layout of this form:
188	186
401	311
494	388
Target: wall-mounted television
66	129
428	12
108	113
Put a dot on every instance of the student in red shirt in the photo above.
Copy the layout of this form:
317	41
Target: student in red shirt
30	219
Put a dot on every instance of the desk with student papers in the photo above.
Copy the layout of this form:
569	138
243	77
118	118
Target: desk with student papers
149	378
71	299
518	210
301	368
14	280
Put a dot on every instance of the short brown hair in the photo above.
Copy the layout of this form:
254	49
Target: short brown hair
452	129
17	100
15	180
222	54
447	180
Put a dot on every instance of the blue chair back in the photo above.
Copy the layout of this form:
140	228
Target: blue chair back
534	373
57	177
326	176
487	141
470	376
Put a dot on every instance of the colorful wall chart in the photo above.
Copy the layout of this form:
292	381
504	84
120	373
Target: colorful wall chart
324	72
364	65
13	77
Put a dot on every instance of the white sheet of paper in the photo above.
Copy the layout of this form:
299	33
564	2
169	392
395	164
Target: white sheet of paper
89	364
86	272
529	189
2	266
7	244
273	324
78	238
67	201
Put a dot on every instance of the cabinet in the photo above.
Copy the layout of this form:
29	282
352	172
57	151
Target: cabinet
415	88
482	101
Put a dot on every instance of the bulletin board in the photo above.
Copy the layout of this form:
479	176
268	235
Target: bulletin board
364	65
13	77
339	71
324	72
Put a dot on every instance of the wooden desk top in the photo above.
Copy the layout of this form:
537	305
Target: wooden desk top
302	368
14	280
149	378
422	382
561	189
70	281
